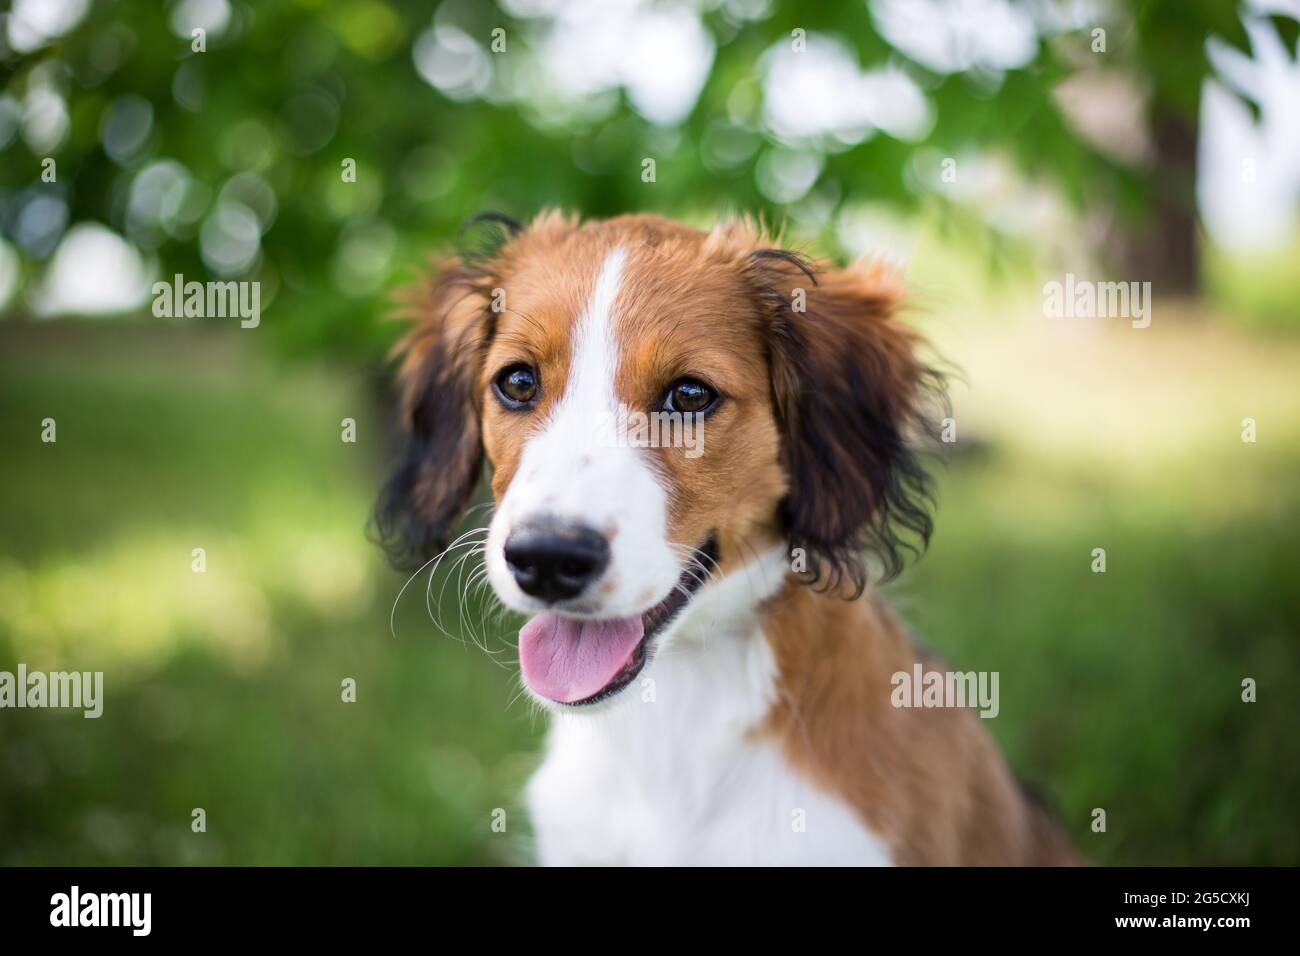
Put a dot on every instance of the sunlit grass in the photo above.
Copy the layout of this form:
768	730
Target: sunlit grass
223	688
1122	690
1258	289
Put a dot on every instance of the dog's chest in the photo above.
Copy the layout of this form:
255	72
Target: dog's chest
672	776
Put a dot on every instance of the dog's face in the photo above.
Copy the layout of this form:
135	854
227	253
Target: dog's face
658	405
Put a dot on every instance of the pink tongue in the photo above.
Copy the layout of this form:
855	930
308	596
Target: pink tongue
567	660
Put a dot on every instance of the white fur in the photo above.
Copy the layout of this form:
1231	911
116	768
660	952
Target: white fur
666	773
573	471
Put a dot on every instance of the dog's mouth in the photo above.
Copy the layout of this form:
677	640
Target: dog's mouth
578	662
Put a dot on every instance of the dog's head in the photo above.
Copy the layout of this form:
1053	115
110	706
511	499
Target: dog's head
658	405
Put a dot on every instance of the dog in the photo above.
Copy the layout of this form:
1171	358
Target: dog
701	629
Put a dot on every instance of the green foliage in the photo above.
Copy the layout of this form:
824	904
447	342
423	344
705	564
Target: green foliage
291	90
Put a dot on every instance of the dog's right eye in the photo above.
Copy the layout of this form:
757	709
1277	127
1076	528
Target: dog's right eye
516	386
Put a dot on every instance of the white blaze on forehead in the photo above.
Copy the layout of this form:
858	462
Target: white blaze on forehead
595	351
572	471
574	423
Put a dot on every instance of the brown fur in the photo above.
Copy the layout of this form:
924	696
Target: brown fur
930	781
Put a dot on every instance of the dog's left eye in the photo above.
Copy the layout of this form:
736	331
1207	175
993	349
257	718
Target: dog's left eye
689	396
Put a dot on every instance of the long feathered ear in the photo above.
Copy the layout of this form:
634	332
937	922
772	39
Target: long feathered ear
438	378
852	397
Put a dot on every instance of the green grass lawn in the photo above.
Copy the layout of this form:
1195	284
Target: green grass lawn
223	689
1119	691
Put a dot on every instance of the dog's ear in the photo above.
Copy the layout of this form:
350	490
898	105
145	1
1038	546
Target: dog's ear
852	398
441	357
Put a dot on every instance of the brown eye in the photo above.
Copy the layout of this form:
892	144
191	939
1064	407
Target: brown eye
689	396
516	386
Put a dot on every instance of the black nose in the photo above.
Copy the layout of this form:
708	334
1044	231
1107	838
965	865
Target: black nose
555	562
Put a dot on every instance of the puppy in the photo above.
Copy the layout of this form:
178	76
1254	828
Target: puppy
696	441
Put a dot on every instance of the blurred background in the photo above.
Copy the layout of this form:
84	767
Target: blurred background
326	149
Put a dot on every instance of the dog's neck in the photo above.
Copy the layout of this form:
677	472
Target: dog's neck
771	698
683	766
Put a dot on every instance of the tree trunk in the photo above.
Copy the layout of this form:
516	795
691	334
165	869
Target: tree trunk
1165	250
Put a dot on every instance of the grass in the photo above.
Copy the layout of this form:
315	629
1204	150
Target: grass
223	689
1119	691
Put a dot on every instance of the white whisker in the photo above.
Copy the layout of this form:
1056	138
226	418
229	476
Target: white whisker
434	561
